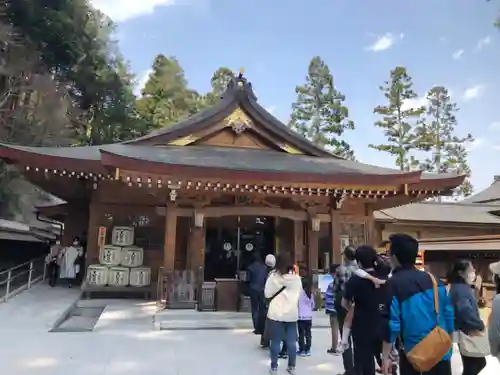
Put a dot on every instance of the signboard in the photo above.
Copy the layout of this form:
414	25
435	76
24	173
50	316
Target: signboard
101	237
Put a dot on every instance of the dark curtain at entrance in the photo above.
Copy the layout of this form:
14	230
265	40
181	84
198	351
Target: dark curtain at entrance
231	244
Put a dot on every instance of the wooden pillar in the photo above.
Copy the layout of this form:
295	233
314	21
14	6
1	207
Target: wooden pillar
298	241
196	251
370	226
335	236
95	214
277	233
312	244
170	233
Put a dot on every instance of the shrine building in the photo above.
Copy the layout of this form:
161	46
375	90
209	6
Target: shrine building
203	195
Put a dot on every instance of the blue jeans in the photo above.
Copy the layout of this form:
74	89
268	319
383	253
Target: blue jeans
278	331
257	302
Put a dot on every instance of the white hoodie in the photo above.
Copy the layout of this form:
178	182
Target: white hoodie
285	306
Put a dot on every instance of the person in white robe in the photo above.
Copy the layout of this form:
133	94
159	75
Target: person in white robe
67	262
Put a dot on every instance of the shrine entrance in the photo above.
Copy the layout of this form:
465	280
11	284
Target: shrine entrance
231	243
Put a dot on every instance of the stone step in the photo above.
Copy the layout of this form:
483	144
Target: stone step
194	320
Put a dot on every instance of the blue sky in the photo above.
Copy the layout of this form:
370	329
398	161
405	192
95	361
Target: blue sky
446	42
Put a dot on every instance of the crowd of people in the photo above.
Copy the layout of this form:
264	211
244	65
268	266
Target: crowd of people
385	315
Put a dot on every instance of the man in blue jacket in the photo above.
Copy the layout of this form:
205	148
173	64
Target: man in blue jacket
410	307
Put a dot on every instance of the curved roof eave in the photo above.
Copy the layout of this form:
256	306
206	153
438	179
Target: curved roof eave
85	158
240	172
442	181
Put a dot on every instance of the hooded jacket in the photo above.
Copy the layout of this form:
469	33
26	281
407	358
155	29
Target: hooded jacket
285	306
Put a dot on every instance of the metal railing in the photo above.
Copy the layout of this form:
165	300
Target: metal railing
21	277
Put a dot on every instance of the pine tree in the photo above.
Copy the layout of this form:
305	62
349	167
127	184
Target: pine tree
166	98
319	114
438	136
398	120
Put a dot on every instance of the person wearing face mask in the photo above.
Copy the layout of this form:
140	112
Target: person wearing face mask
468	321
68	262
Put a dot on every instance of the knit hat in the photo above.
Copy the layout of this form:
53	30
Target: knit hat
270	260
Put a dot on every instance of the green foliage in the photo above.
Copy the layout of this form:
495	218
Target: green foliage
438	136
166	98
397	120
63	80
220	80
319	114
74	43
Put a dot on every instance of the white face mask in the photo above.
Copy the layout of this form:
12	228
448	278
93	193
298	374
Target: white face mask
471	276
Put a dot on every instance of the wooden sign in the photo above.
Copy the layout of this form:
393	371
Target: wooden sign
101	237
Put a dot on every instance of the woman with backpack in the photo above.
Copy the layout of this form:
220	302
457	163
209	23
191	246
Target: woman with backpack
282	290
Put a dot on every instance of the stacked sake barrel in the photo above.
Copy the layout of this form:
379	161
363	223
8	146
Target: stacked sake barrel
121	263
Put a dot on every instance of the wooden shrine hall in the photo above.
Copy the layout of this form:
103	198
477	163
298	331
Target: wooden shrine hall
205	194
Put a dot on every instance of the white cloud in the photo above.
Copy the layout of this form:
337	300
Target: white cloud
494	125
483	42
473	92
475	144
385	41
142	82
458	54
414	103
123	10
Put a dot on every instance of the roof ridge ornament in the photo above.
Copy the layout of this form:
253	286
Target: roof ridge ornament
240	87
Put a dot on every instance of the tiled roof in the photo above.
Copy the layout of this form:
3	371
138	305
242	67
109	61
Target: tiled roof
441	212
490	195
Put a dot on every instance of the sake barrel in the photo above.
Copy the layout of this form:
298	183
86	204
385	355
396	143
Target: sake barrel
97	274
110	255
118	276
122	236
140	276
132	256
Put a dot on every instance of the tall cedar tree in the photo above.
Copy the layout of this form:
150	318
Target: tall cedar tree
398	120
166	98
437	136
319	114
220	80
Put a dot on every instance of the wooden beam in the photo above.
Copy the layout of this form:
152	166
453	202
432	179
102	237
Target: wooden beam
246	211
170	234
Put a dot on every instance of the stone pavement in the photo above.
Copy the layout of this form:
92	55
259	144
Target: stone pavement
123	343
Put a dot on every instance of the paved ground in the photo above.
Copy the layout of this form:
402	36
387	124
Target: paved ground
124	343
